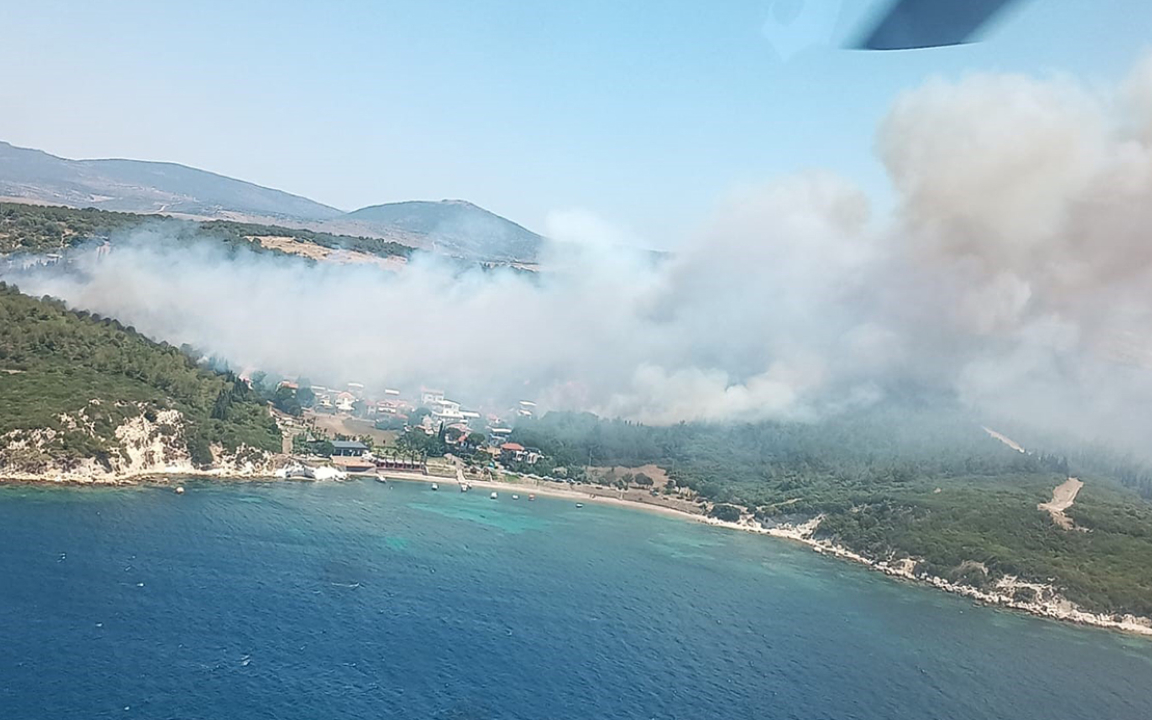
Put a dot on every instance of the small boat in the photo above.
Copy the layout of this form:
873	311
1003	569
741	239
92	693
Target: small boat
381	479
435	486
515	497
179	489
532	497
579	505
463	487
493	495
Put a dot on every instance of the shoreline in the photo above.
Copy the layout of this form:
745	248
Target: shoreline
1057	609
1061	610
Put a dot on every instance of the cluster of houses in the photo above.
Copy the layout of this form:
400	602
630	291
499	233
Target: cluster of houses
429	411
353	456
352	400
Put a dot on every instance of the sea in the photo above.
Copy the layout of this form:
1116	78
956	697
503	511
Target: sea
310	601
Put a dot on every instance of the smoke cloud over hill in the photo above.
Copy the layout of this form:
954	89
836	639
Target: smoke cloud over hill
1016	271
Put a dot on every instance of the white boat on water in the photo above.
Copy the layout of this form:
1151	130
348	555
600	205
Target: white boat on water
435	486
493	495
381	479
515	497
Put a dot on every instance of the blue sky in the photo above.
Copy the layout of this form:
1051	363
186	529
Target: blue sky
644	114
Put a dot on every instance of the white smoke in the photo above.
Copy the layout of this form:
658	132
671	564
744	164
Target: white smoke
1016	272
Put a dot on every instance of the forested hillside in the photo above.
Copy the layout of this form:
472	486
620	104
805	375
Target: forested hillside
898	481
38	228
71	379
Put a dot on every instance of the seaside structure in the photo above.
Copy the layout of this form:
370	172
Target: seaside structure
354	464
348	448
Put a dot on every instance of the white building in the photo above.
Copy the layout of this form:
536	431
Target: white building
446	411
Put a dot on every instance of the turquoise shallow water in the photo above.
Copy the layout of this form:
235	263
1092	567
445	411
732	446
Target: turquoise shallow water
364	600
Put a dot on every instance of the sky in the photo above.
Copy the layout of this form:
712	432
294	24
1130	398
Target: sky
643	116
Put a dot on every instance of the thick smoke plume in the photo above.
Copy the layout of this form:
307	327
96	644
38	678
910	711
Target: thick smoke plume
1016	272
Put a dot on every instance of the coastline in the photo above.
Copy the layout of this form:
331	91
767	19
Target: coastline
1054	608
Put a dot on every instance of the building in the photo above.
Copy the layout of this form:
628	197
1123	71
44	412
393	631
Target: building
447	412
348	448
511	451
401	463
344	401
456	434
515	452
431	397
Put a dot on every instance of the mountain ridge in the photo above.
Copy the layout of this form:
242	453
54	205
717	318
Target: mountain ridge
144	186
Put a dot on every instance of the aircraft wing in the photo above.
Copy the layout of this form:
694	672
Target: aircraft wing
912	24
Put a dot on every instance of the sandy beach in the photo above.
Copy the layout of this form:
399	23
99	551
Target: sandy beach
560	490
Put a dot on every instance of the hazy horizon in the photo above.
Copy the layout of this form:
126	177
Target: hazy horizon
526	111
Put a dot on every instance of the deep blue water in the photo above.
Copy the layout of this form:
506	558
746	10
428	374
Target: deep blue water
361	600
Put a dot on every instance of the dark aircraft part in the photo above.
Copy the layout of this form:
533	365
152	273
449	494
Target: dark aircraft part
913	24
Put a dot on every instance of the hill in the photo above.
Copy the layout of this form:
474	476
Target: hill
454	227
144	187
85	398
